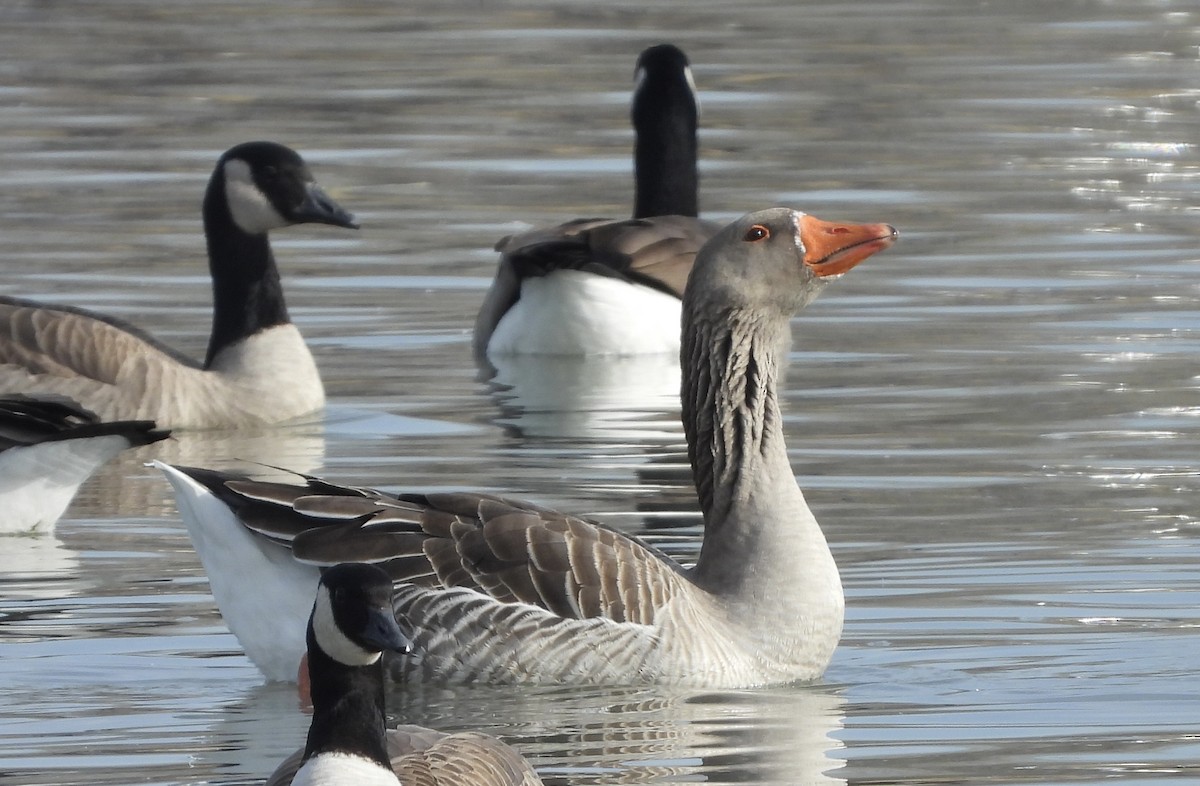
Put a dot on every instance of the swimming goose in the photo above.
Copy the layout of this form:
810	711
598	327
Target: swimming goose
502	591
48	448
350	627
258	369
597	286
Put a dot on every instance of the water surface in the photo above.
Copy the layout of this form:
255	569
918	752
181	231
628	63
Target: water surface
994	420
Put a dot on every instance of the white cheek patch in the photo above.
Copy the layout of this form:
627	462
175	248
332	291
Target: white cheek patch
251	210
639	79
687	74
330	638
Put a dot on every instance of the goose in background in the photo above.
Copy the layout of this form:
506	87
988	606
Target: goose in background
48	448
501	591
603	287
351	626
258	369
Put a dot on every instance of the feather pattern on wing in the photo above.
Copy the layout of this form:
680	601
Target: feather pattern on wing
656	252
512	552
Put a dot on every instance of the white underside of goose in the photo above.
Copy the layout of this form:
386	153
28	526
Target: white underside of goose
38	482
268	617
573	312
272	375
343	769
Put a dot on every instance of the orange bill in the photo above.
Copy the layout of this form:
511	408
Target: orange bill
831	248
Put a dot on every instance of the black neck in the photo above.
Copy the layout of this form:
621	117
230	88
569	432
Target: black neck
247	294
665	174
349	714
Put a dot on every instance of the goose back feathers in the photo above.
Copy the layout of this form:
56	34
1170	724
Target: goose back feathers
504	591
257	369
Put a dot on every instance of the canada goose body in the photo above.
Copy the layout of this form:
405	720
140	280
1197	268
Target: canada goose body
502	591
48	448
349	629
258	369
605	287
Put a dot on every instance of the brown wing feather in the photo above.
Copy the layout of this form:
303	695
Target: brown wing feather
67	342
513	552
658	251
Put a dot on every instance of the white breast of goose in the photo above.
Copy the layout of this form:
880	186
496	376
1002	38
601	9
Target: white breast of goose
747	644
266	378
572	312
341	769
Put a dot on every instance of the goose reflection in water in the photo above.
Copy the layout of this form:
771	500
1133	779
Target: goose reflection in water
582	736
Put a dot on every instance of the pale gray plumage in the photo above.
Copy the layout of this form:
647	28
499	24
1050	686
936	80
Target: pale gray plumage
258	368
505	591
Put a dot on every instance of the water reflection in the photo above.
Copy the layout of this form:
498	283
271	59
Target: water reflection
34	565
997	430
618	399
588	736
125	487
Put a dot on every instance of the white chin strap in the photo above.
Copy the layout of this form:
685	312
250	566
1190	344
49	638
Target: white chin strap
330	638
251	210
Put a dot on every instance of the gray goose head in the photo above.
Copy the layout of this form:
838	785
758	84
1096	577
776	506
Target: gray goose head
747	283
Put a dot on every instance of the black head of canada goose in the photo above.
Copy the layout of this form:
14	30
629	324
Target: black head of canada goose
503	591
258	369
597	286
351	626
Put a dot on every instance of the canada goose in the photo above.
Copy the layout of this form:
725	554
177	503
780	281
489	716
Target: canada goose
597	286
48	448
258	369
504	591
350	627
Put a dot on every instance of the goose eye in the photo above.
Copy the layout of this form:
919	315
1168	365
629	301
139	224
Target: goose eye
756	233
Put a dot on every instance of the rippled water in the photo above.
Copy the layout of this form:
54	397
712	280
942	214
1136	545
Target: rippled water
994	420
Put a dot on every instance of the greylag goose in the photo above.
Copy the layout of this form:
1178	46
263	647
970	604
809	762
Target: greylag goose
48	448
502	591
604	287
258	369
350	628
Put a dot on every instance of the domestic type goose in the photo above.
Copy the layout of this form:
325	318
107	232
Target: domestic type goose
258	369
48	448
504	591
350	627
599	286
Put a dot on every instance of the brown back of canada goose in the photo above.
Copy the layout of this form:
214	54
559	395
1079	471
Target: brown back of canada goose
258	369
